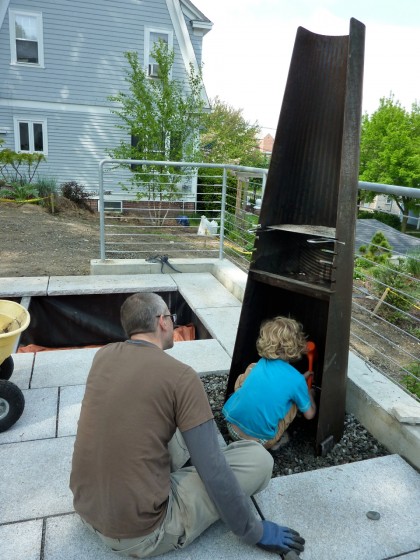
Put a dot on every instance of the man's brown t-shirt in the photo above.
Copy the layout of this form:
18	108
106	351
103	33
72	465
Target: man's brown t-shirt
136	396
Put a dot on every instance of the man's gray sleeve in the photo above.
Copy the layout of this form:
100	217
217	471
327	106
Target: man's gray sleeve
221	484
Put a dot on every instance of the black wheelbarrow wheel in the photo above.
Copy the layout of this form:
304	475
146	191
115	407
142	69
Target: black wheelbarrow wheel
12	403
6	368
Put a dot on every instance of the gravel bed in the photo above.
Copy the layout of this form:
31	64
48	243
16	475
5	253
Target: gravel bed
298	455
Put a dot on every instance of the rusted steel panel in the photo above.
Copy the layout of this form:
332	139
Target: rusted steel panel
303	255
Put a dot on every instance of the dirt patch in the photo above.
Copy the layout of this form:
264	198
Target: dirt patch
35	242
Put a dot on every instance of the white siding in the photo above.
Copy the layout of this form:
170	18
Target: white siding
84	45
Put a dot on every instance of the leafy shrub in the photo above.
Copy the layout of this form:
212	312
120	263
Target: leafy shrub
19	167
45	186
377	252
412	382
413	263
76	193
392	276
19	193
391	220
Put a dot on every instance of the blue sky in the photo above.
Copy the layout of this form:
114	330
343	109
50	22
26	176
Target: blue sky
247	53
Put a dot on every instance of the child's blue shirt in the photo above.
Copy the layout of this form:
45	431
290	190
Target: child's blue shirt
265	397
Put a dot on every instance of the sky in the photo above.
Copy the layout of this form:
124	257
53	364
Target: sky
246	55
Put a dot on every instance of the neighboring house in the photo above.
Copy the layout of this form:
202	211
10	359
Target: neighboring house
266	144
382	203
385	203
59	62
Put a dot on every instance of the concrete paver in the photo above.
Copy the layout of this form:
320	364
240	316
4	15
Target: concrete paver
69	412
202	290
22	369
35	479
222	323
39	417
62	367
28	286
115	283
21	541
204	356
328	507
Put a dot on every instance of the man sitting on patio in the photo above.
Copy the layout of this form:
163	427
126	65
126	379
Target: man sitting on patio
148	475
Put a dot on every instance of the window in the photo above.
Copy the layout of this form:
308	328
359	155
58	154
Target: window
31	135
111	206
152	36
26	38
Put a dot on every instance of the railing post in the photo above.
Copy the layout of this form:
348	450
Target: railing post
222	215
101	212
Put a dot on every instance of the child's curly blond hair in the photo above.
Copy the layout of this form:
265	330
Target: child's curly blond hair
282	338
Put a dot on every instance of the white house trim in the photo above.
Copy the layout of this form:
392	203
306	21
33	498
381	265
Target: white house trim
184	41
4	4
48	106
198	19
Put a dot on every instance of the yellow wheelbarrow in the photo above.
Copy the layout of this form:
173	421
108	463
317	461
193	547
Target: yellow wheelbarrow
14	319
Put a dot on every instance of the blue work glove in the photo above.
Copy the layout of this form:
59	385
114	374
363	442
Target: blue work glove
280	539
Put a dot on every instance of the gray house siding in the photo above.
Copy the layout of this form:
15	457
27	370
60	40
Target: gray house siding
83	45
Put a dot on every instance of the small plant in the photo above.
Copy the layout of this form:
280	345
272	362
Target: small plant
19	167
411	381
413	263
378	250
46	186
76	193
393	277
19	193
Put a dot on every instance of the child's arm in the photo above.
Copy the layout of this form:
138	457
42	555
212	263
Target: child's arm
241	378
309	414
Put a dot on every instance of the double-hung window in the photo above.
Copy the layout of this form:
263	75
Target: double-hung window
31	135
26	38
152	36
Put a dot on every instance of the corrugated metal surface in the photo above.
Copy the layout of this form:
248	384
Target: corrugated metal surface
303	256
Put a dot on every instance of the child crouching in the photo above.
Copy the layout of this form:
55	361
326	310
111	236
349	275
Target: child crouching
270	392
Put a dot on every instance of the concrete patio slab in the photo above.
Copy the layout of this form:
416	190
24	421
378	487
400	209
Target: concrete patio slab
39	417
202	290
372	398
69	411
204	356
78	285
21	541
222	324
25	286
35	479
62	367
141	266
67	537
328	507
23	369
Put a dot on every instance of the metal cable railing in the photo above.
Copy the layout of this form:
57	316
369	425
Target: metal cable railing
166	218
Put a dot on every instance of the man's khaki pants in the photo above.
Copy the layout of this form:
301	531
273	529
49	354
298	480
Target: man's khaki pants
190	510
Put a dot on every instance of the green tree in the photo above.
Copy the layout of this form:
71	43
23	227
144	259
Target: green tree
390	150
228	138
162	118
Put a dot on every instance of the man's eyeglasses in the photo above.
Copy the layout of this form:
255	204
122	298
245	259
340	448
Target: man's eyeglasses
173	316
